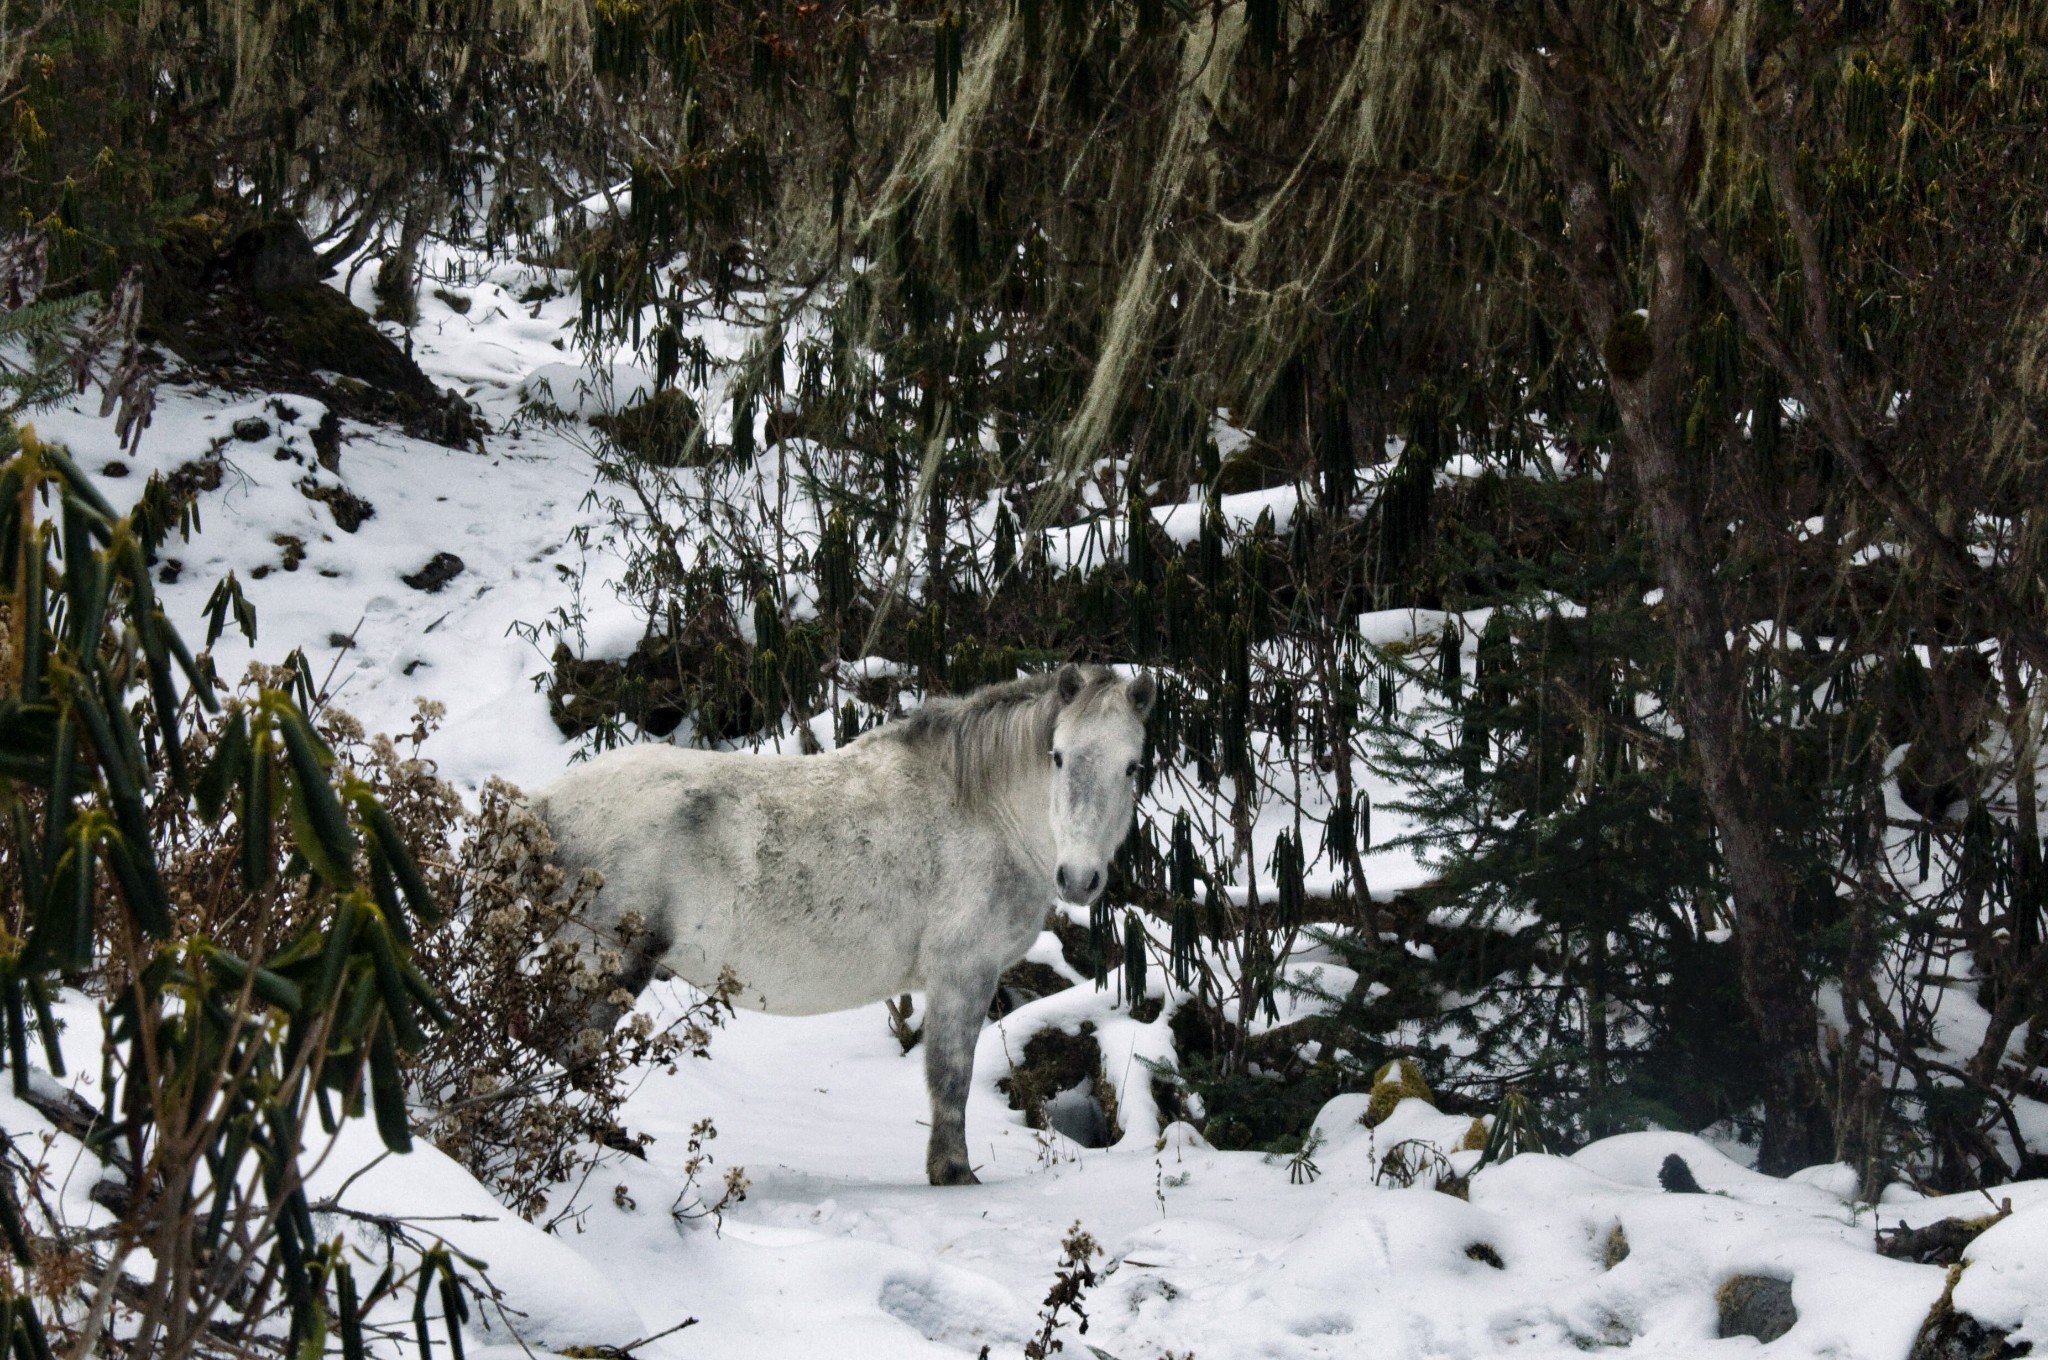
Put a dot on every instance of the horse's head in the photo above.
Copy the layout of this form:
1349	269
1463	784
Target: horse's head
1096	744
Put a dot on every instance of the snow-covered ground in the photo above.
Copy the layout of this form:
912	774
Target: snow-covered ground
840	1248
510	514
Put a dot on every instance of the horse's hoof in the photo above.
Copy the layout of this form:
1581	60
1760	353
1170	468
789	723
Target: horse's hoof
953	1175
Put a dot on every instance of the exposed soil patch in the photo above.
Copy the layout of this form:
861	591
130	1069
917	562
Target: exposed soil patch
245	306
1023	984
349	510
662	431
1059	1085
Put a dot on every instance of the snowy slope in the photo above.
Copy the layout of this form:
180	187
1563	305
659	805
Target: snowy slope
840	1248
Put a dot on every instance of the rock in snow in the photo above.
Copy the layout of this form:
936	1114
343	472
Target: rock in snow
441	568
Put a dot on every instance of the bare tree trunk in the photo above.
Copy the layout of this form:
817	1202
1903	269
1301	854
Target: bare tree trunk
1859	1091
369	215
2025	968
1596	1030
397	285
1645	365
1734	778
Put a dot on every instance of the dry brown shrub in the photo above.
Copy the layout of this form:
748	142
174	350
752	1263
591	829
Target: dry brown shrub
201	860
525	1089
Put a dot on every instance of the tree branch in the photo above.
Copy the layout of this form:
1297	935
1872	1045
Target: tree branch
1817	384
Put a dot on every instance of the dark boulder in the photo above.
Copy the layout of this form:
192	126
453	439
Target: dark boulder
327	441
1951	1335
441	568
273	254
1756	1305
1676	1177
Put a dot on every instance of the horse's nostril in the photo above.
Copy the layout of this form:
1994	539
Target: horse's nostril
1094	880
1060	877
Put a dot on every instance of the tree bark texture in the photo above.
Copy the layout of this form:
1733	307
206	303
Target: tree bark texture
1646	371
1733	778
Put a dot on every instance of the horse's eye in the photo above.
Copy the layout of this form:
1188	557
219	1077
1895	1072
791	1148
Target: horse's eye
1059	762
1131	770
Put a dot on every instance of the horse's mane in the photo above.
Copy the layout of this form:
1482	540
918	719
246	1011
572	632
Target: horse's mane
986	735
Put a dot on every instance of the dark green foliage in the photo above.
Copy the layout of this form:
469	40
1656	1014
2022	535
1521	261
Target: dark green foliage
1263	1111
1260	1093
1038	273
213	1054
1568	953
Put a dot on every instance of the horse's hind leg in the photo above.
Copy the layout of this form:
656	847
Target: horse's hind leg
954	1009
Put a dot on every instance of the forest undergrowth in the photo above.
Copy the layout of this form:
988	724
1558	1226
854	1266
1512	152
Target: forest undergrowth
1610	481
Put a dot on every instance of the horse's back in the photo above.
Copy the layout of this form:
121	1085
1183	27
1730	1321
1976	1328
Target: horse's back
615	800
813	878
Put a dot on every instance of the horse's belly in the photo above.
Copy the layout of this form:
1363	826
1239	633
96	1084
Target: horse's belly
782	984
798	957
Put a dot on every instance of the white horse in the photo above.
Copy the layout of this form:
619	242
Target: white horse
922	856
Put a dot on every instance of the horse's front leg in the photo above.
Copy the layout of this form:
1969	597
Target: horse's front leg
955	1006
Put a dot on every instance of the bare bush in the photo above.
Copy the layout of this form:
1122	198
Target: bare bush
522	1089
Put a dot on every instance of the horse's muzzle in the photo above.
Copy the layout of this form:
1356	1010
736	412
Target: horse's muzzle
1079	886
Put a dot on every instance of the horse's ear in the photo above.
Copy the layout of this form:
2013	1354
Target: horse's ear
1070	682
1144	690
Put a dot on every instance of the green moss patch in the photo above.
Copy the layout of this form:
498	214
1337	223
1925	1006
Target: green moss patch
1394	1083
